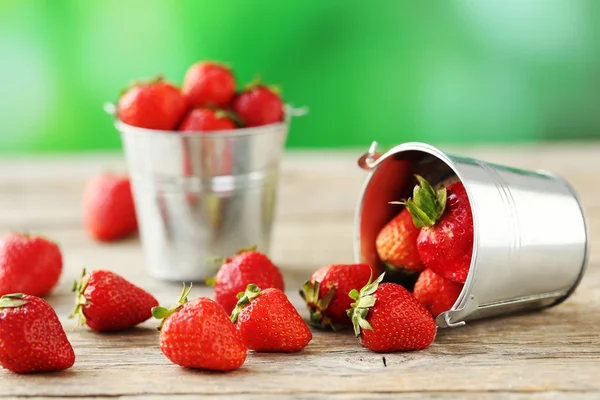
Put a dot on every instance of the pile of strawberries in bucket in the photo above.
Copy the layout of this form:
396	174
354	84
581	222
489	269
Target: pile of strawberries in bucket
432	238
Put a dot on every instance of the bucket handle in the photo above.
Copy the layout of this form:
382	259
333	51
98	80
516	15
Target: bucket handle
368	161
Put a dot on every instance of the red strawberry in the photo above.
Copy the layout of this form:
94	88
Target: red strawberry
258	105
237	272
326	293
397	244
436	293
108	302
28	264
153	105
31	336
388	318
267	321
205	120
199	334
445	243
108	208
209	84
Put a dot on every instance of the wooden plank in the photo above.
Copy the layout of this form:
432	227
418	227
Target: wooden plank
544	355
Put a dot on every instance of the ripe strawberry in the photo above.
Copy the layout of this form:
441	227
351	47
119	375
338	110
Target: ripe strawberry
205	120
436	293
397	244
108	302
153	105
326	293
208	84
29	264
199	334
31	336
267	321
108	208
388	318
237	272
258	105
445	242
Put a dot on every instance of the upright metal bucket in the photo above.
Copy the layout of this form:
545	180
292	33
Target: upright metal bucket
531	243
202	195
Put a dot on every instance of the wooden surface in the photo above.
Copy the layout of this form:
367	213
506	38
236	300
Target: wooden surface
545	355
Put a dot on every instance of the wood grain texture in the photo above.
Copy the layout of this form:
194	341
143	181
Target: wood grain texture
545	355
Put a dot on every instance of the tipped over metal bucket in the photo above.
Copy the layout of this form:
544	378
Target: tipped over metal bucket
531	243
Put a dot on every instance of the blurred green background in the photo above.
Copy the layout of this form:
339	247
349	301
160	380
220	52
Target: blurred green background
434	71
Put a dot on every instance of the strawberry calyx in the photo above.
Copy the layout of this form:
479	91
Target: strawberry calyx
12	300
317	306
363	300
257	82
162	313
143	82
427	205
80	300
244	298
220	114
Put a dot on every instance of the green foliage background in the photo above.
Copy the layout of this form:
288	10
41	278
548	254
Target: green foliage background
434	71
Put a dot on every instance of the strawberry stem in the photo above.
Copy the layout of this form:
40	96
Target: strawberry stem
258	82
363	300
80	300
310	293
12	300
427	205
163	313
251	292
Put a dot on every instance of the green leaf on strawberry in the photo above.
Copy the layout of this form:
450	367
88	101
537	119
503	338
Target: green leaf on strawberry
363	300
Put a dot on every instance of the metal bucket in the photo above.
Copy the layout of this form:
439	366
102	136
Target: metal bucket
531	243
202	195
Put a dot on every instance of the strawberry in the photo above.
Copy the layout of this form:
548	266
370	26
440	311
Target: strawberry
397	244
237	272
259	105
199	334
209	84
326	293
267	321
108	302
152	105
205	120
437	294
108	208
386	317
445	242
29	264
31	336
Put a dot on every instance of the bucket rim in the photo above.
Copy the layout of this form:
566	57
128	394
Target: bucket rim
289	112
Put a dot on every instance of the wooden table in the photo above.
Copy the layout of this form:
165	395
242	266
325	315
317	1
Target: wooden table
545	355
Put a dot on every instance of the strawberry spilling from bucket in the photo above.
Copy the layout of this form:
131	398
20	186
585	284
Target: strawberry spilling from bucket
237	272
387	318
267	321
445	242
397	244
437	294
326	293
